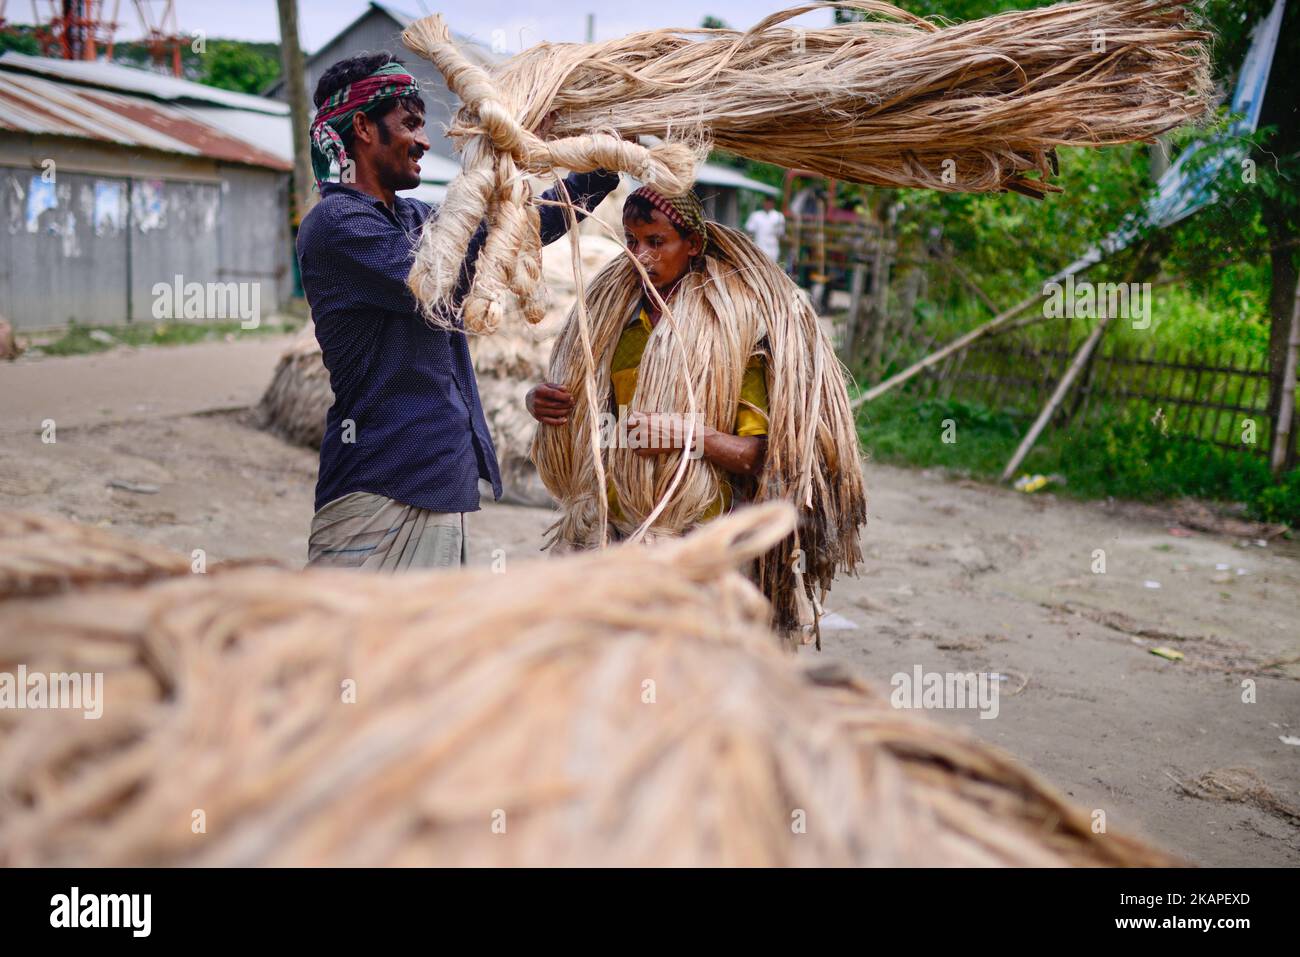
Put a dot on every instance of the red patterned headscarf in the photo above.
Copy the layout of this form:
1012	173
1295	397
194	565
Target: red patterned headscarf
335	115
685	211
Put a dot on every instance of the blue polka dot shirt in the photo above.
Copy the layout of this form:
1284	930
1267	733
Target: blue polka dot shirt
406	421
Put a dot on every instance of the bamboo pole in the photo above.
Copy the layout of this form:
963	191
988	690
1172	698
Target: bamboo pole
1286	403
951	264
852	329
955	346
880	302
1062	387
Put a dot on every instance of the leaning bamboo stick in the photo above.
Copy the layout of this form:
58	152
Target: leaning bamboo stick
961	342
1287	400
1062	387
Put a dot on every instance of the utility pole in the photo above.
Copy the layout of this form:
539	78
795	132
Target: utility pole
295	85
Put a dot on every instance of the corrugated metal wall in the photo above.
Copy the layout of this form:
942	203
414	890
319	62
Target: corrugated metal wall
89	248
255	245
54	265
173	232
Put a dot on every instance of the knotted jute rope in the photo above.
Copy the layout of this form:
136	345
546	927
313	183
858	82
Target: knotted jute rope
498	150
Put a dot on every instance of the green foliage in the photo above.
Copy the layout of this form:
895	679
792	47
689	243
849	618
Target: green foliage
194	64
1009	245
1119	454
20	41
232	65
714	23
953	11
78	339
903	430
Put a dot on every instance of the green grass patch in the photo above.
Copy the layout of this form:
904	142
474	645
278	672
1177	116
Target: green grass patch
79	340
1115	454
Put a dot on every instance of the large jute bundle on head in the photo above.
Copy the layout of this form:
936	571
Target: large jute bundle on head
622	709
894	101
738	305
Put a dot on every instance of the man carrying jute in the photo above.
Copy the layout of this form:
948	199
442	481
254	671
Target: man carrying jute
406	441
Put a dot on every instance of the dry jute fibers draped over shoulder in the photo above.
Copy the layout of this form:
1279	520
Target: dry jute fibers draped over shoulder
738	305
893	101
627	708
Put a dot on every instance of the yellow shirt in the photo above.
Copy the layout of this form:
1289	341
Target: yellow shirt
751	416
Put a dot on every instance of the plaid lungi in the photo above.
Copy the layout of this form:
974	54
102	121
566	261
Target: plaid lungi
364	530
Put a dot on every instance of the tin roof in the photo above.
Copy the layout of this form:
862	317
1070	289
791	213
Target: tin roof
127	79
55	107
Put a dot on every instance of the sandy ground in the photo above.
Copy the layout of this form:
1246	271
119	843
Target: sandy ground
958	577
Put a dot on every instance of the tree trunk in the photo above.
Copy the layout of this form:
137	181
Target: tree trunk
1282	232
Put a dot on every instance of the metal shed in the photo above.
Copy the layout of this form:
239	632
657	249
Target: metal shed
114	180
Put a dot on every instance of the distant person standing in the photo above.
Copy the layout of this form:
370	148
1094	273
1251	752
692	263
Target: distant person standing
767	226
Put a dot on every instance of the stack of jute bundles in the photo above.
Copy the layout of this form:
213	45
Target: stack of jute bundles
627	708
893	100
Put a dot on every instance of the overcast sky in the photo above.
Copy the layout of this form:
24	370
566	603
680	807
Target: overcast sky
528	21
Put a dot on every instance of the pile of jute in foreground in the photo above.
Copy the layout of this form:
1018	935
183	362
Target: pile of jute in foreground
626	708
894	100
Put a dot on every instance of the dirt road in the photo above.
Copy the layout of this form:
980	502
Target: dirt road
959	577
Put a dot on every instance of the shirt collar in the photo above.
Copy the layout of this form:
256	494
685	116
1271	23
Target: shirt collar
329	188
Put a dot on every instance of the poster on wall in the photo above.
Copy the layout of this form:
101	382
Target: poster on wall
148	205
110	207
40	197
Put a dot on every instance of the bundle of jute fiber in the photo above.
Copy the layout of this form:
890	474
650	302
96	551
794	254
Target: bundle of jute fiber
41	554
510	362
739	304
894	101
299	396
622	709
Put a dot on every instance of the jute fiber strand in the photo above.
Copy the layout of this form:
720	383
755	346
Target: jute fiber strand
40	554
627	708
738	305
893	101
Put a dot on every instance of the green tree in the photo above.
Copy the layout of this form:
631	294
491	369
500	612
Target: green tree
232	65
20	41
1255	226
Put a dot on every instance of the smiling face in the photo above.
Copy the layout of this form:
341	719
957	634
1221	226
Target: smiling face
658	245
392	145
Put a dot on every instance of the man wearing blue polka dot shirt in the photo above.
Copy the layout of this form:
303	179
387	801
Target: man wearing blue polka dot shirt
406	441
